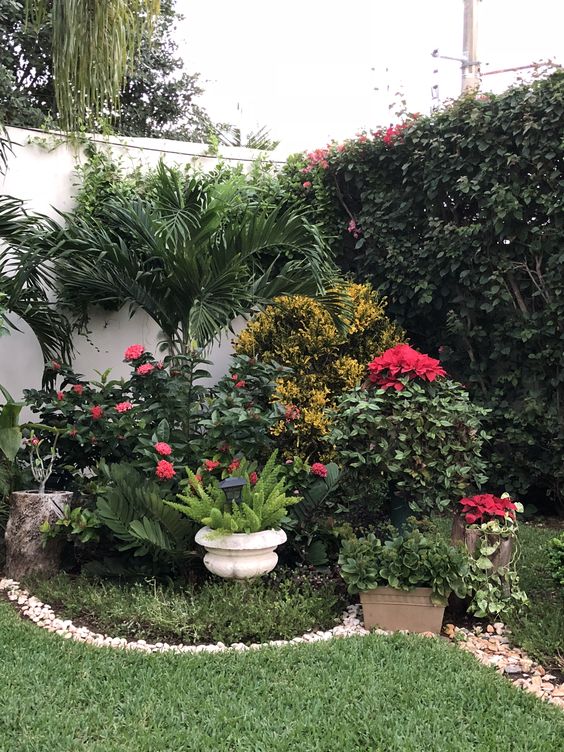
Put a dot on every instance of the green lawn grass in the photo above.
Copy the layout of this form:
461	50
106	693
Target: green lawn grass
374	694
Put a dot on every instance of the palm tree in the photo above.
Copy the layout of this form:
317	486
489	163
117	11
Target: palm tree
95	43
192	257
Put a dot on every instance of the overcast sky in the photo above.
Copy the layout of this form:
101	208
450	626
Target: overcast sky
314	70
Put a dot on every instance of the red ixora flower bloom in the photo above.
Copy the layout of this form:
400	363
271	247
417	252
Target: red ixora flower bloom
60	395
78	389
133	352
145	369
161	447
307	184
210	464
96	412
318	468
253	478
402	360
240	384
233	466
484	507
123	407
165	470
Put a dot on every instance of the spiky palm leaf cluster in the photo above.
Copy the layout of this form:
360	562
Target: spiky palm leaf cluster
262	506
192	257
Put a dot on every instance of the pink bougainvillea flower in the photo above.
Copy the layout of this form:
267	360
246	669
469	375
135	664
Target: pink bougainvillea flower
165	470
240	384
319	469
145	369
123	407
133	352
96	412
402	360
78	389
161	447
210	465
234	465
60	395
253	478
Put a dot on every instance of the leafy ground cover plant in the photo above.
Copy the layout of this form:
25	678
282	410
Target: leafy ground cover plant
412	427
556	558
264	501
407	561
325	360
279	606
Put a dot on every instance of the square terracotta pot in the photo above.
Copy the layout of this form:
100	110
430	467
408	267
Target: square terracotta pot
391	609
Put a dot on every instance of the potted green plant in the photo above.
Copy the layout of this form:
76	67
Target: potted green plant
405	582
241	517
414	429
488	527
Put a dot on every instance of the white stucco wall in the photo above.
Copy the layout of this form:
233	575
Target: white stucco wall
41	172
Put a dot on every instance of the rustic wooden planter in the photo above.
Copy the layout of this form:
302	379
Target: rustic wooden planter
25	552
391	609
471	537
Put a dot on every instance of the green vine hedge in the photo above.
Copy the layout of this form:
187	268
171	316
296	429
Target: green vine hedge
458	219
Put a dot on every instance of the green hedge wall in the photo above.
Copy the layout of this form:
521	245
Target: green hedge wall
459	220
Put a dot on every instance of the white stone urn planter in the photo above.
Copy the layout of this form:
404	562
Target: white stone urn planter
240	556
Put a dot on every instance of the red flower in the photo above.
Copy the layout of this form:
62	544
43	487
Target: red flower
483	507
291	413
318	468
96	412
307	184
73	432
253	478
34	441
402	360
78	389
145	369
55	366
60	396
240	384
160	365
233	466
234	377
198	477
210	464
161	447
165	470
123	407
133	352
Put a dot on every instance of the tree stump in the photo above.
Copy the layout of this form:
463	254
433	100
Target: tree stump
25	552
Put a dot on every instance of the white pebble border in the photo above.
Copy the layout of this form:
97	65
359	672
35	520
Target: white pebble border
490	647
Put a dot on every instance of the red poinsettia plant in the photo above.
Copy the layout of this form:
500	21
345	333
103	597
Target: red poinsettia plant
487	507
402	363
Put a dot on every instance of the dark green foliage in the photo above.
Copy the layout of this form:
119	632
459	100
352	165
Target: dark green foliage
136	512
424	442
278	607
461	227
158	100
556	559
412	560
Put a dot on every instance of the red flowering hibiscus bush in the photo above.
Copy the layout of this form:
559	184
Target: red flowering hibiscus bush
414	429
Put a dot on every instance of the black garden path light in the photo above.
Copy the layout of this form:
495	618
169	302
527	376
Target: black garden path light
233	490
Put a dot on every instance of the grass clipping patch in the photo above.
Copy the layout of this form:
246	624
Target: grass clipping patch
279	607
